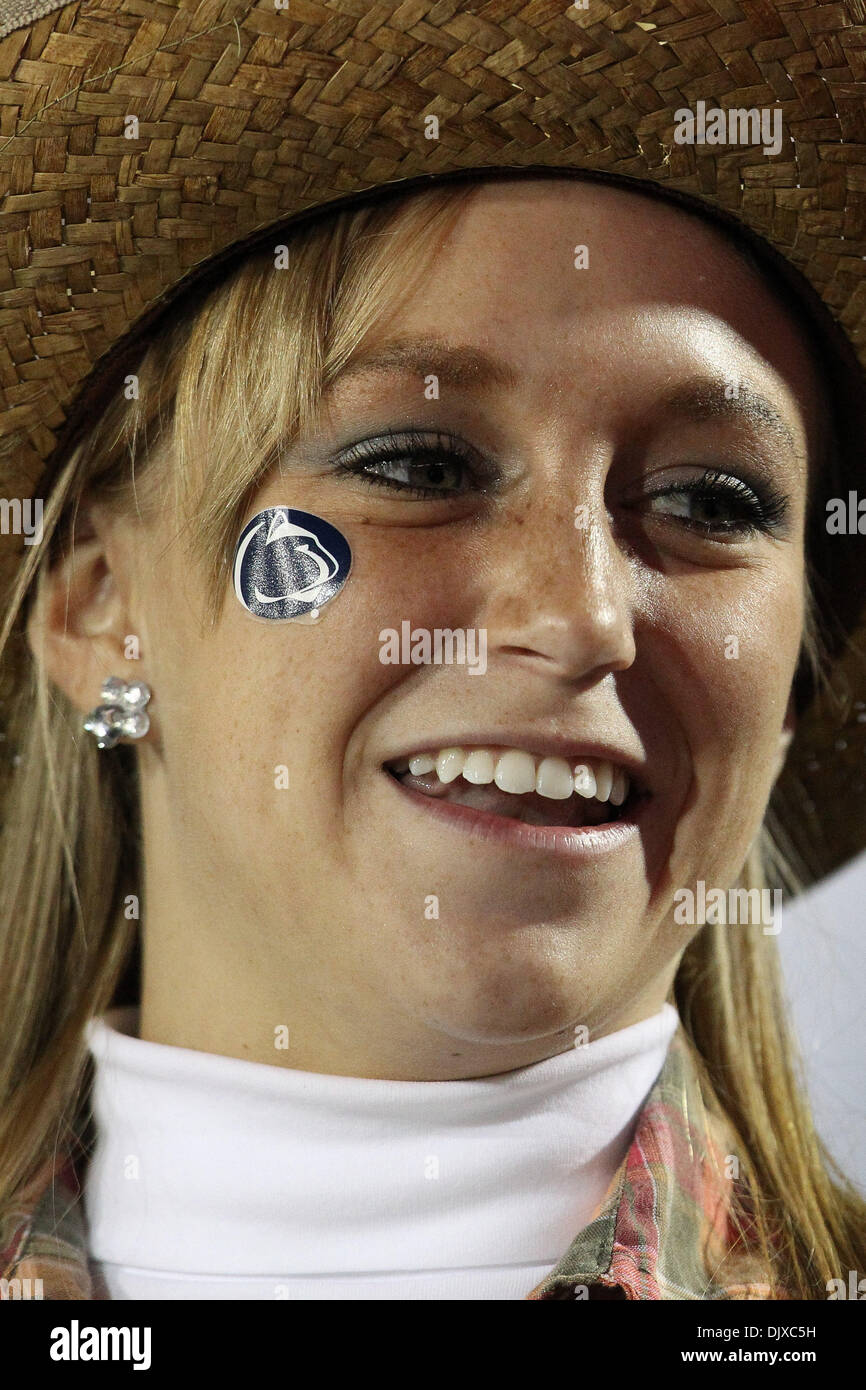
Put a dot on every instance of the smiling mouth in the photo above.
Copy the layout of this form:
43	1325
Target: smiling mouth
601	794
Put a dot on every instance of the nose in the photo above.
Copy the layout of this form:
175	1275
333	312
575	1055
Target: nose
560	595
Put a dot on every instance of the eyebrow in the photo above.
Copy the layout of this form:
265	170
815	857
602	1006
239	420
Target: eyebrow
712	399
461	365
455	364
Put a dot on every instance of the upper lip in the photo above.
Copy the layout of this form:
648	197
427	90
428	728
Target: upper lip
540	745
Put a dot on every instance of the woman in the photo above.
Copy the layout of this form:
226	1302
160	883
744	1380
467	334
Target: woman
408	1025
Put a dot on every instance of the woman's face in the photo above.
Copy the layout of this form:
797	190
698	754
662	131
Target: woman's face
627	608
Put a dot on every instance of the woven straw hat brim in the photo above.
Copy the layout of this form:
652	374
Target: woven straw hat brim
249	115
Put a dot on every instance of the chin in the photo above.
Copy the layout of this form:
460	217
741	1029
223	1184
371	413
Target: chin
476	1029
510	1007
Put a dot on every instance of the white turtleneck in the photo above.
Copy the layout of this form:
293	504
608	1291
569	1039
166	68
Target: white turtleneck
219	1178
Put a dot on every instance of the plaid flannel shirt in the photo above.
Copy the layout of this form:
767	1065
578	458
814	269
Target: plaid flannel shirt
663	1231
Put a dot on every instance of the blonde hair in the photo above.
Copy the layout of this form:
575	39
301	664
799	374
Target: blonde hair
247	366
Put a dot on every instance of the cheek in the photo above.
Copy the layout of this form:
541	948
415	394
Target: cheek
423	576
736	650
726	652
252	695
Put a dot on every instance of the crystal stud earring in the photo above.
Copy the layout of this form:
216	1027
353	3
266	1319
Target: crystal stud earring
122	713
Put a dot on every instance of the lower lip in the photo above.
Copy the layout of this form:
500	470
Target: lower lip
565	842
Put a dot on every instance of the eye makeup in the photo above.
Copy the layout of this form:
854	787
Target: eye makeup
422	465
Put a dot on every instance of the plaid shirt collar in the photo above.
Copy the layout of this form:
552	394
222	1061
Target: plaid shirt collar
663	1231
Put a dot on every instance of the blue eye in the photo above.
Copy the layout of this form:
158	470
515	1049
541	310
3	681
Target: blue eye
720	504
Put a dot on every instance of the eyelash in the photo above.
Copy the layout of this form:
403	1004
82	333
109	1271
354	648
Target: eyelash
411	445
764	507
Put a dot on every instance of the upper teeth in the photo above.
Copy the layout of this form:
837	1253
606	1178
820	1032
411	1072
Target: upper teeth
518	772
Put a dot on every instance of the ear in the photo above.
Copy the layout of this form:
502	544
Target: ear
789	728
80	619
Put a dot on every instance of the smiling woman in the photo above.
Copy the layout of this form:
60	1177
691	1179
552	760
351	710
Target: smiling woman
357	878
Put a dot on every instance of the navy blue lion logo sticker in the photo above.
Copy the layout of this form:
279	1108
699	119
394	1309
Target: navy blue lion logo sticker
288	563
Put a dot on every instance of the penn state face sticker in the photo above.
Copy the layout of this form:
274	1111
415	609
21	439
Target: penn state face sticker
289	564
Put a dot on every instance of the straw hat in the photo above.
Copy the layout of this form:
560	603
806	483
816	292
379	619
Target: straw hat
249	114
